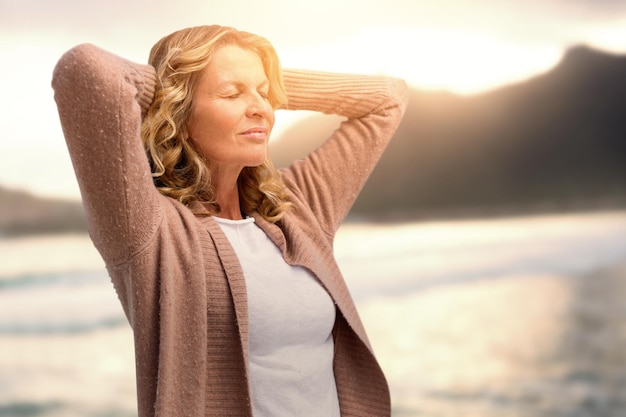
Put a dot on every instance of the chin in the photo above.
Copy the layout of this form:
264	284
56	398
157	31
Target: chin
257	163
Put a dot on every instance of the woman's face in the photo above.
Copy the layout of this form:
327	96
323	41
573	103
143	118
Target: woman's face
231	118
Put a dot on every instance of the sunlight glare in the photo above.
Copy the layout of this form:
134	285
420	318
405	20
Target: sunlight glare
609	37
431	58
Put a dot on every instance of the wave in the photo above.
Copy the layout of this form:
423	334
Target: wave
59	303
29	280
29	408
58	408
60	328
422	256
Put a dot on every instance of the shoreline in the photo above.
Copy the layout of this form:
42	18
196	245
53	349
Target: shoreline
32	254
50	253
537	209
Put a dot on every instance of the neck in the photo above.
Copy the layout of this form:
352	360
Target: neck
227	196
230	211
224	178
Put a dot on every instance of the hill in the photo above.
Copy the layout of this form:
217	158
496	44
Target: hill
24	214
554	142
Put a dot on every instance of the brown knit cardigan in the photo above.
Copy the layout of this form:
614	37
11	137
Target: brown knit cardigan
177	277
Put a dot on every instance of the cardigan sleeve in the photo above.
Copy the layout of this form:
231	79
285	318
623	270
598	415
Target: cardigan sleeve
101	98
331	177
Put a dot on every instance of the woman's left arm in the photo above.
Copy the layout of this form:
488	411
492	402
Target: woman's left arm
331	177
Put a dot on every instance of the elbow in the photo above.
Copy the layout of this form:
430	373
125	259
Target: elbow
397	97
400	92
77	67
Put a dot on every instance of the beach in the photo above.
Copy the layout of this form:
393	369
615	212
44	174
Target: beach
497	317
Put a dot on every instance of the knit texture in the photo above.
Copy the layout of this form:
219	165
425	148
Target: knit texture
177	277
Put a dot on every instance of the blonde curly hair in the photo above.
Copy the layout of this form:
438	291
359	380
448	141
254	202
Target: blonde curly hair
178	169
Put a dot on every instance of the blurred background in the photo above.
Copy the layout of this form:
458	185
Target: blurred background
487	252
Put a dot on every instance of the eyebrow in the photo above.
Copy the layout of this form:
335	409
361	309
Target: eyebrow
235	83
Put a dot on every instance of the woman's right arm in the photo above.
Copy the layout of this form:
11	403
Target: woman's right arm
101	98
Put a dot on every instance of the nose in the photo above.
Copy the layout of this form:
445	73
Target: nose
259	106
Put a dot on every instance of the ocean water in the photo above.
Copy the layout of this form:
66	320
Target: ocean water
518	316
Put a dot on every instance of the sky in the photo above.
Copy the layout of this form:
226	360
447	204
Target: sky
464	46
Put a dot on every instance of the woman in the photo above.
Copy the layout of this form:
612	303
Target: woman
224	266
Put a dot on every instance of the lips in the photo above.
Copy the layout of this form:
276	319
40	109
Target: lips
258	132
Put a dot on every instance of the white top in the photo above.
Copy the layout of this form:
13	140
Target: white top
291	317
